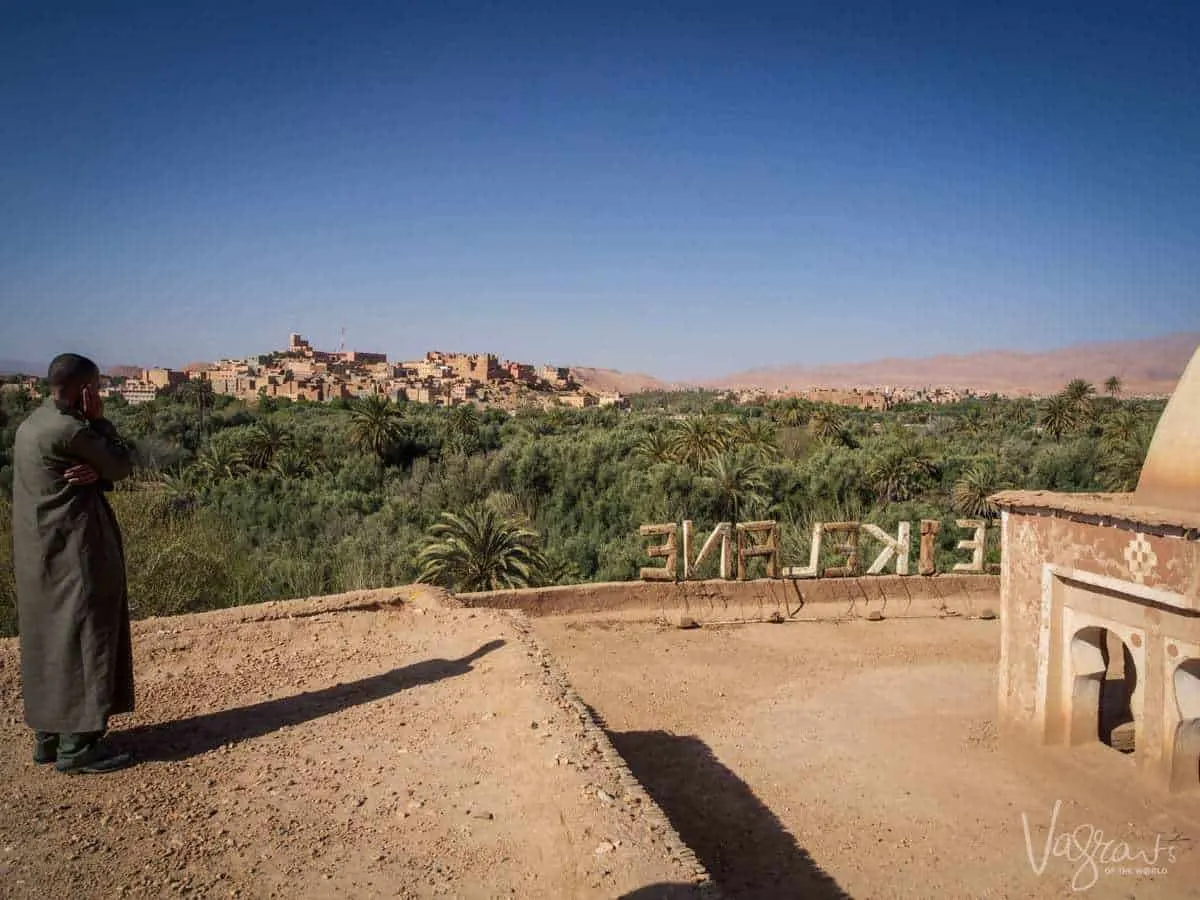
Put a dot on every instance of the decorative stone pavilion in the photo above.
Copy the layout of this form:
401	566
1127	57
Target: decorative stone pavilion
1100	608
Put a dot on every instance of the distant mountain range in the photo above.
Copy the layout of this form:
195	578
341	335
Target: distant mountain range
1150	366
20	367
24	367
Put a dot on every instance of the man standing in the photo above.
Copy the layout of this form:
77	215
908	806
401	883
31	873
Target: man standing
72	608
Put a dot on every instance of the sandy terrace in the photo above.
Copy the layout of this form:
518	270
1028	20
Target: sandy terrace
397	750
369	747
825	760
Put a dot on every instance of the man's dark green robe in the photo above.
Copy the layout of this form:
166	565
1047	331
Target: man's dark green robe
72	608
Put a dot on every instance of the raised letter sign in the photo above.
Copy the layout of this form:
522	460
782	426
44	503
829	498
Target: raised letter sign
665	549
929	531
720	533
975	545
850	548
898	548
768	550
814	557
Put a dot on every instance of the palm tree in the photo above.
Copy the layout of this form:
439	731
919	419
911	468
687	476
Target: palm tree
479	551
1018	415
1079	390
756	437
1121	465
464	417
556	419
973	488
827	424
1119	428
793	413
993	410
462	428
145	418
291	464
558	570
698	439
1079	394
265	403
220	461
375	427
973	423
897	471
180	490
739	483
1060	416
656	447
266	441
1112	386
199	393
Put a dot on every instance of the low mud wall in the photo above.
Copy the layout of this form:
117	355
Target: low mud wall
892	596
632	794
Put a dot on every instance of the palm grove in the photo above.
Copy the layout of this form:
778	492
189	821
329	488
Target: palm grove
237	503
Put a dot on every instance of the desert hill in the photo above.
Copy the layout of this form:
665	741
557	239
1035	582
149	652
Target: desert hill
25	367
21	367
1150	366
609	380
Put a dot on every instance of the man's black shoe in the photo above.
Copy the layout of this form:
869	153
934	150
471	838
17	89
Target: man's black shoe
96	760
45	749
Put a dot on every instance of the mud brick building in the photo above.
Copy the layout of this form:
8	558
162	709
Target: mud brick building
1100	608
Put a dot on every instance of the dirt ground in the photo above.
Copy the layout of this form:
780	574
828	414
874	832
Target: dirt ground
825	760
346	748
400	751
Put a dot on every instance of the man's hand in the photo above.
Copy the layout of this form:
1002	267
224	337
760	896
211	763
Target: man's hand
93	405
81	474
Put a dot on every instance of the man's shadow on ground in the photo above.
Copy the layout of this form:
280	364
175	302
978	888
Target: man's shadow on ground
185	738
746	849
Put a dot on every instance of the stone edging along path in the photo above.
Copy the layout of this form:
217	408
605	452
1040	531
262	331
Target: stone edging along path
652	817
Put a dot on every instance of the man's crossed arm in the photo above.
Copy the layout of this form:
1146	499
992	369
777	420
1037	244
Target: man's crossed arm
104	456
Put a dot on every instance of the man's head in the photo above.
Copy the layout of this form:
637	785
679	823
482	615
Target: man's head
69	374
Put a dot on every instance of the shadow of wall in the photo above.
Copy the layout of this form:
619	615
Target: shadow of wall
744	846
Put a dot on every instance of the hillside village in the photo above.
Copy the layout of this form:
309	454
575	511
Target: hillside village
302	373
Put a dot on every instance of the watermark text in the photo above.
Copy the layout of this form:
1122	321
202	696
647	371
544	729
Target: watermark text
1093	854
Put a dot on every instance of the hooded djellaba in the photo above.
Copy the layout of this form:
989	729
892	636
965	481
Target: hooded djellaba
72	606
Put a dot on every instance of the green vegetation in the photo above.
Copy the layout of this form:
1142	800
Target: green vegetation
480	550
237	503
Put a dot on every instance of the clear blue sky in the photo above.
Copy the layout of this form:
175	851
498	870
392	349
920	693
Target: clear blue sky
685	189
